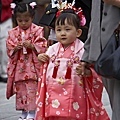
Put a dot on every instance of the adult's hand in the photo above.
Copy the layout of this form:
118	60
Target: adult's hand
83	69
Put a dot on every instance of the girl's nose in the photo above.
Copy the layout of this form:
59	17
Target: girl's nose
23	23
63	33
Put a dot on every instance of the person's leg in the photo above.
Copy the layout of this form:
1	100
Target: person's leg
5	27
31	88
113	88
116	101
31	114
109	85
23	115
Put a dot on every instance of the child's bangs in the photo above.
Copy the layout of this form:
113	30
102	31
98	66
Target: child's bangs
61	20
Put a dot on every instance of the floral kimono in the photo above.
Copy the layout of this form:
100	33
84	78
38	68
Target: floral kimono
62	94
23	69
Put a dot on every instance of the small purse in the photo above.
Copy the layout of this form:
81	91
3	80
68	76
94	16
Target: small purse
49	16
108	63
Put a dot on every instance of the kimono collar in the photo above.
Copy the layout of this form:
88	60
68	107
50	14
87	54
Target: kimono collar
78	46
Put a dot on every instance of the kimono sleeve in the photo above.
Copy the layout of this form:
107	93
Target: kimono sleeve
40	43
53	49
11	43
93	91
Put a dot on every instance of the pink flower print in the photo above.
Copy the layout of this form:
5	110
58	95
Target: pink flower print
57	112
26	77
40	104
77	116
42	84
47	97
92	110
102	113
65	92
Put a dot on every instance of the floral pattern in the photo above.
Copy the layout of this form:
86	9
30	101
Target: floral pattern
55	103
76	106
77	98
23	70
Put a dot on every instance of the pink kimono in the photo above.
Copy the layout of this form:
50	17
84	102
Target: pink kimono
62	94
23	69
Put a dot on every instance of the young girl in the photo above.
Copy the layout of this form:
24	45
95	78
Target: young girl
24	43
68	95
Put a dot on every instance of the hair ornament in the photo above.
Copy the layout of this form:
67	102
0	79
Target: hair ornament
12	5
79	12
64	6
73	3
33	4
60	5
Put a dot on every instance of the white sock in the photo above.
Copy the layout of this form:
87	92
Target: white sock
24	114
31	114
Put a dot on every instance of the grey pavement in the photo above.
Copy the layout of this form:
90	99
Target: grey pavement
106	102
7	107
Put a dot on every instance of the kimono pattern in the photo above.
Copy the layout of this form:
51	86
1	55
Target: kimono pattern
62	94
24	67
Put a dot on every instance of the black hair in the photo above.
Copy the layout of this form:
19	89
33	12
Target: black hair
23	7
71	18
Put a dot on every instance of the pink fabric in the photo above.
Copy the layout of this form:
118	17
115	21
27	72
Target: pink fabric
24	67
78	98
26	95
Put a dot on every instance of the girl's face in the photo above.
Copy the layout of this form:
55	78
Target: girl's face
24	20
67	34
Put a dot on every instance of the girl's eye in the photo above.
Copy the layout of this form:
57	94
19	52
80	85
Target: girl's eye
26	20
67	29
58	29
19	20
22	20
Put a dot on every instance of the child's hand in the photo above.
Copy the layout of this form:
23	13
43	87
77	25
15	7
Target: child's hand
43	57
87	71
18	47
78	70
27	44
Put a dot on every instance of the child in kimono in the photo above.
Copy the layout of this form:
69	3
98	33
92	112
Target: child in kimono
63	94
24	44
